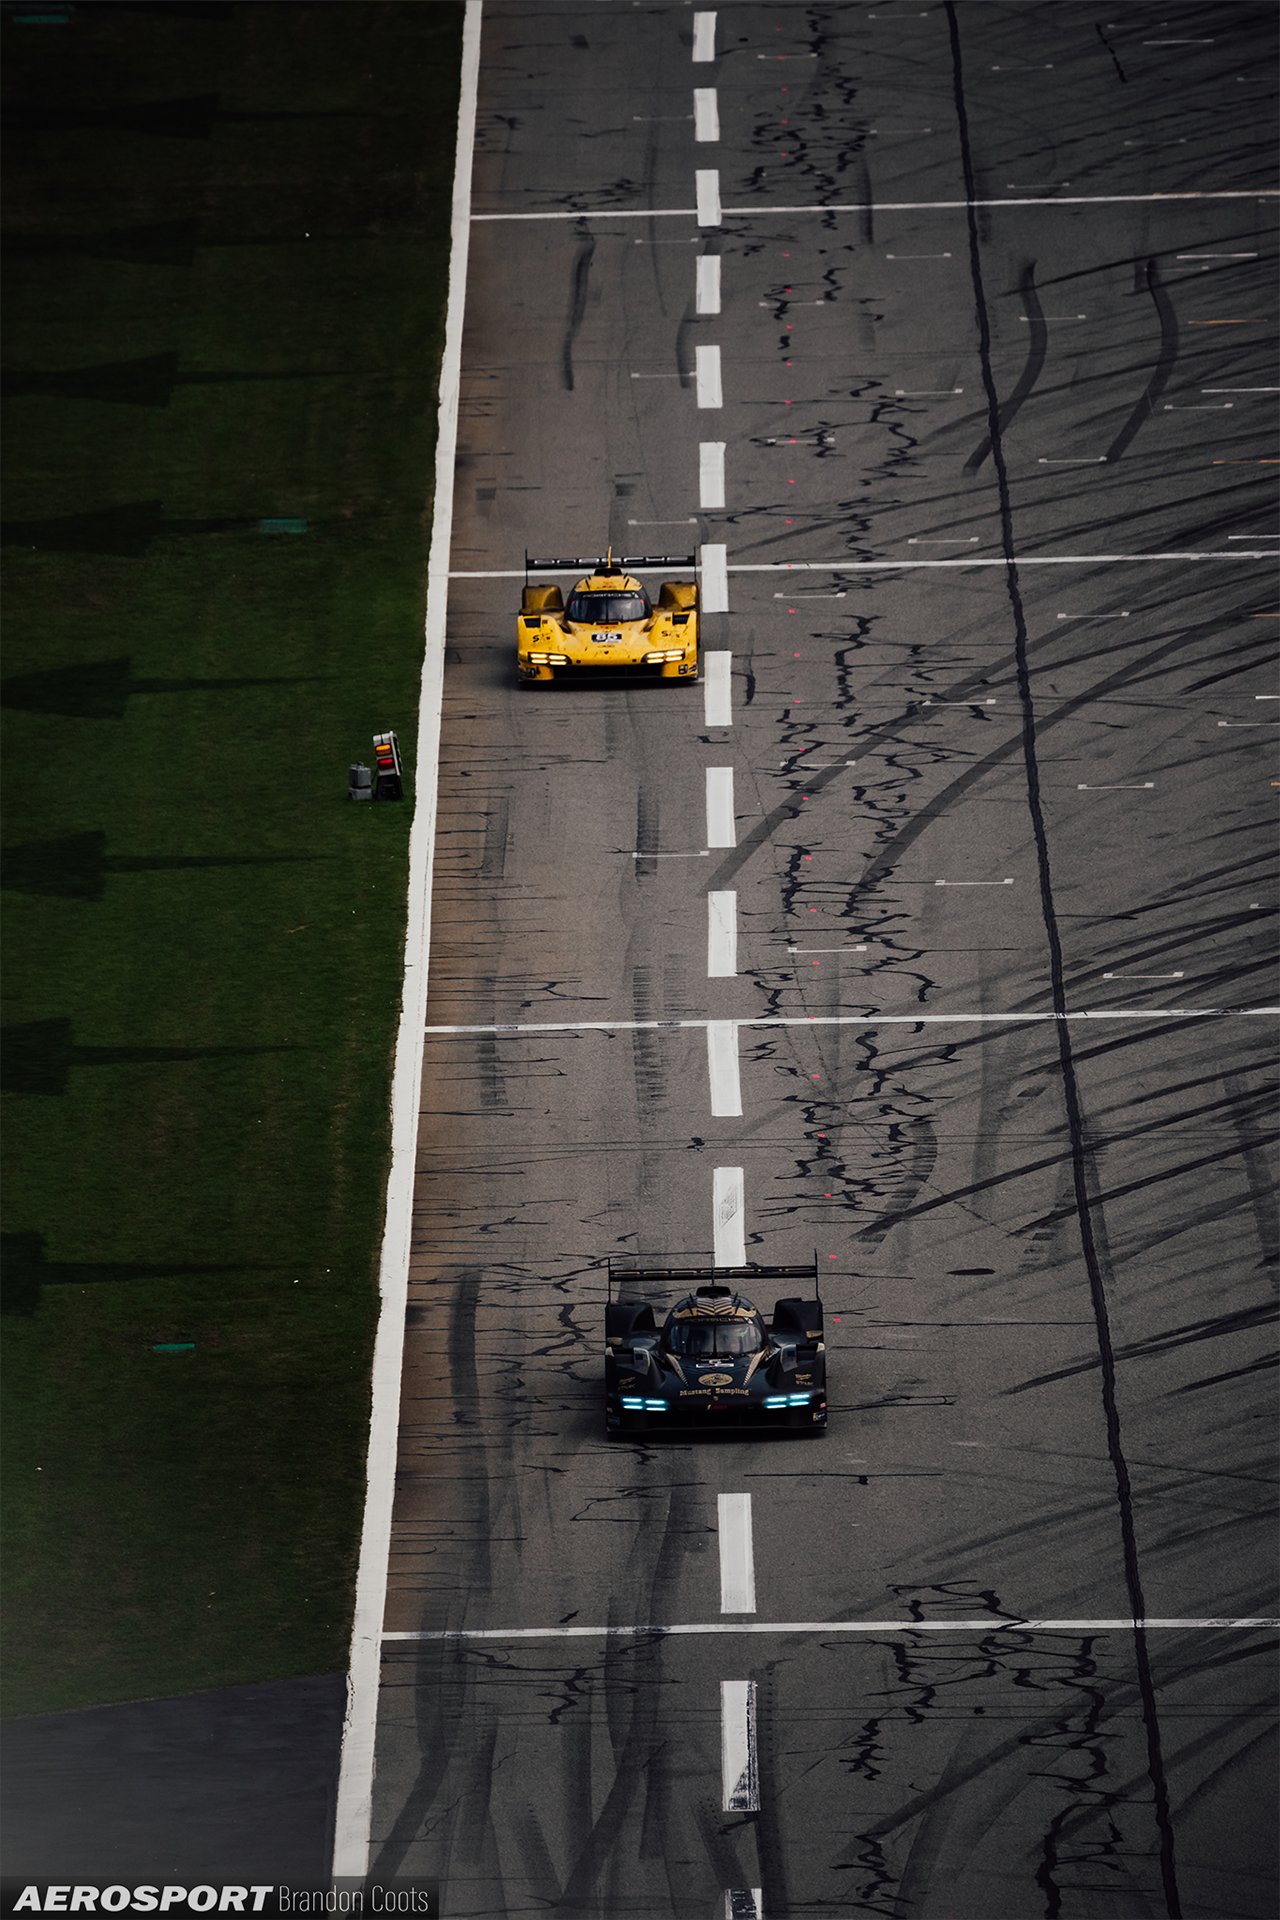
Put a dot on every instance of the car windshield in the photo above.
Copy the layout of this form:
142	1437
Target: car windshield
699	1338
608	609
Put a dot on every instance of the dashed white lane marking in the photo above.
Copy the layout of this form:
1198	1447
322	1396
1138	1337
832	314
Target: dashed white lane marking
739	1765
1128	786
951	540
893	1629
715	577
706	114
728	1217
1249	723
721	829
1215	256
1122	615
354	1810
704	36
925	393
722	1069
722	935
973	883
708	283
917	256
1232	536
707	365
698	853
717	689
1074	460
1144	976
870	1020
737	1558
768	210
708	193
958	703
846	949
711	473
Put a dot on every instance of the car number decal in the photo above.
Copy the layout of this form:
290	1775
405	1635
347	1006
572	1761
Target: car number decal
603	639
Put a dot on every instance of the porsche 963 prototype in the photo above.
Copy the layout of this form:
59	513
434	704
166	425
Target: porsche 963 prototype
610	626
715	1363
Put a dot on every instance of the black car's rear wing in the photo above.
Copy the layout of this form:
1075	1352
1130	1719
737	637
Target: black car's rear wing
699	1277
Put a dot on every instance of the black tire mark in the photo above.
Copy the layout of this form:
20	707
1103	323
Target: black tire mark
1164	366
1115	61
577	305
1037	346
1071	1089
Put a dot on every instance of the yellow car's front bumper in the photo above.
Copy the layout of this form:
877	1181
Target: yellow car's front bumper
559	657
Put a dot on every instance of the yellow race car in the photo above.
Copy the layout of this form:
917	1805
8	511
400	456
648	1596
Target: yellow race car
610	625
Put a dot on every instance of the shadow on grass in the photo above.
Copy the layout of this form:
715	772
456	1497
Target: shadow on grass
166	243
138	383
190	119
38	1055
125	531
98	689
24	1272
78	866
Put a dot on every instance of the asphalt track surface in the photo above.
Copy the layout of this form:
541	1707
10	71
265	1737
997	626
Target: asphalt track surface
996	921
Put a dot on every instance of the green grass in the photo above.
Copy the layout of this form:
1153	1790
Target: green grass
202	939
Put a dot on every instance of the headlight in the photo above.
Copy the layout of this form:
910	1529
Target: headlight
632	1404
549	659
667	653
787	1399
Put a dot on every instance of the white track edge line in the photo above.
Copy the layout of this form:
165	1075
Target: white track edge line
354	1809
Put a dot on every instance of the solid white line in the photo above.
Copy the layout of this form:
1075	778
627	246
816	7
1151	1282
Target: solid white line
739	1768
717	689
707	180
848	949
892	566
715	577
721	830
711	473
1019	560
708	283
728	1217
865	1020
1130	786
737	1560
722	935
707	363
722	1069
973	883
704	36
762	209
1144	976
1215	256
354	1810
890	1627
706	114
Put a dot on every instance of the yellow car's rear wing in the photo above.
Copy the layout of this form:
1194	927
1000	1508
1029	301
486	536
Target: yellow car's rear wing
606	563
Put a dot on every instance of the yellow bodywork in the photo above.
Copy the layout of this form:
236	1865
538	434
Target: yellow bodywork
548	642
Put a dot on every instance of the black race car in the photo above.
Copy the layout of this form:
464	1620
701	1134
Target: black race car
714	1364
